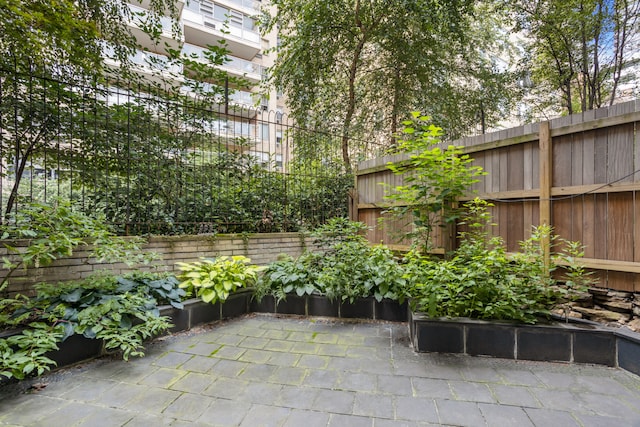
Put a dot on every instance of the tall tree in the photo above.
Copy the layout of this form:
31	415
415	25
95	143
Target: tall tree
73	33
578	49
358	67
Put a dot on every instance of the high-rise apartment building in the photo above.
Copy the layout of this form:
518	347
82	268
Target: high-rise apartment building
244	112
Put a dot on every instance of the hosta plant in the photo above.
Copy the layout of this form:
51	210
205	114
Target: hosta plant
214	280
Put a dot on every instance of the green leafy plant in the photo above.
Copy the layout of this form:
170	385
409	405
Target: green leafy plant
24	354
354	270
289	275
338	230
434	179
481	280
122	311
215	279
346	269
163	287
55	230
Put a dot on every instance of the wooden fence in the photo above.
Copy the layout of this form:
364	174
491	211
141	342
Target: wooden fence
579	173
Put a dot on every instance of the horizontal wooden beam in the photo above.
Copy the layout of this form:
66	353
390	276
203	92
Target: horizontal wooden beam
576	190
594	124
612	265
595	189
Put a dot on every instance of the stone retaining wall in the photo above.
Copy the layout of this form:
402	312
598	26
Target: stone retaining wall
614	308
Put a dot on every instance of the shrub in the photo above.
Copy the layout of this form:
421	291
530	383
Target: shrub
215	279
481	280
348	268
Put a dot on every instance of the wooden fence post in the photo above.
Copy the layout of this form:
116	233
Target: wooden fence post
546	183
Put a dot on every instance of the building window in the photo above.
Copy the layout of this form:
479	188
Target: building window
265	132
278	137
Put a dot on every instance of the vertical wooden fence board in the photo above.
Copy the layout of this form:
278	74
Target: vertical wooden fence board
562	218
503	224
528	218
515	168
636	150
588	157
619	158
600	157
504	169
588	228
515	225
620	226
494	171
527	167
577	161
636	235
600	226
562	161
577	219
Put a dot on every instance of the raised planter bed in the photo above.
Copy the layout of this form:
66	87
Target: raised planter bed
558	341
575	341
317	305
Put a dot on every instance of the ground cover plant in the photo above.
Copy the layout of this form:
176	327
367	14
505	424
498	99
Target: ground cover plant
120	311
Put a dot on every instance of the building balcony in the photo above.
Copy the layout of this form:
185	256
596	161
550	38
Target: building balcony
237	67
145	4
204	30
250	7
167	37
240	103
152	66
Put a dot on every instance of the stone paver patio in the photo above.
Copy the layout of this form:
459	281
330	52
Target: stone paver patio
263	370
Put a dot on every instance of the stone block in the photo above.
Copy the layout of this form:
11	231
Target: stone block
236	305
391	310
202	312
266	305
628	352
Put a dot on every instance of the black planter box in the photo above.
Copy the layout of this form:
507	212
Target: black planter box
360	308
597	347
180	318
322	306
490	340
236	305
266	305
391	310
544	344
628	351
75	349
437	336
202	312
293	304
